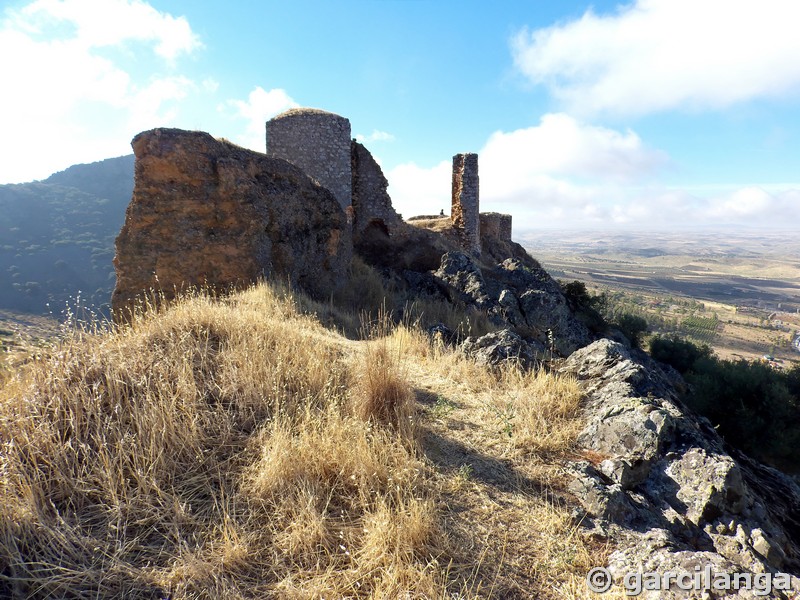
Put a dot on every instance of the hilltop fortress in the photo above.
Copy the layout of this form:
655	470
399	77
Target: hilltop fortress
205	212
649	476
319	143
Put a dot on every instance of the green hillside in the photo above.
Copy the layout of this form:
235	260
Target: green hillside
57	236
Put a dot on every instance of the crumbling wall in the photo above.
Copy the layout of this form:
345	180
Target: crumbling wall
465	206
207	213
371	202
319	143
496	225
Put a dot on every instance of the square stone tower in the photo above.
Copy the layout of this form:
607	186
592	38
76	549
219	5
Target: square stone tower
465	208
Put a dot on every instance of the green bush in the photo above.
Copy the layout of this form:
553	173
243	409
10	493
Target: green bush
753	406
678	353
586	306
632	326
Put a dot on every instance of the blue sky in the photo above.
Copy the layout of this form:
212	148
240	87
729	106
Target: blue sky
663	114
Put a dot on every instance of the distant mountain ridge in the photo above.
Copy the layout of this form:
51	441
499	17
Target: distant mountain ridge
111	178
57	236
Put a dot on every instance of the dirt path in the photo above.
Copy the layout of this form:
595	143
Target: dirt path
510	508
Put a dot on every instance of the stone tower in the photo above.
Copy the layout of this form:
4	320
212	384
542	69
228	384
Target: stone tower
319	143
496	225
465	208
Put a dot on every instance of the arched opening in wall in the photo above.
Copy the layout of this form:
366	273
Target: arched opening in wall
377	227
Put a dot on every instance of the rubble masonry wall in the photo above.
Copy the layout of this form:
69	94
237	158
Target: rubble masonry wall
465	205
496	225
319	143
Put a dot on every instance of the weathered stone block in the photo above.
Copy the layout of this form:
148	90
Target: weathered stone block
208	213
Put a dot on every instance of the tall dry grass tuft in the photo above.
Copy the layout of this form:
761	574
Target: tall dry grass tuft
541	410
205	450
381	394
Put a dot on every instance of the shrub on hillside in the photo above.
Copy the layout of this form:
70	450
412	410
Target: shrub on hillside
586	306
678	353
632	326
753	406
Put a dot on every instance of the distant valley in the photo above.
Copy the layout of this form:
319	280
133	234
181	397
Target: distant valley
737	291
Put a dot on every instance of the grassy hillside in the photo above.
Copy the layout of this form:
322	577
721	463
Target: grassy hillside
57	236
236	448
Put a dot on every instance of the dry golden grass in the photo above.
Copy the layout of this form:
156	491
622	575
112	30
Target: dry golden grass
236	448
538	410
499	439
438	224
208	451
381	394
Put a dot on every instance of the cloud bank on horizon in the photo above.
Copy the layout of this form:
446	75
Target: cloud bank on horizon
88	74
652	56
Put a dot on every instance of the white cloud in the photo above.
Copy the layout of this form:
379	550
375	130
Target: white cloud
375	136
101	23
565	174
64	83
655	55
538	168
418	190
514	163
260	106
210	84
745	202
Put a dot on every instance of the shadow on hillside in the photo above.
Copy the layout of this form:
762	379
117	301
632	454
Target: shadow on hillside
451	456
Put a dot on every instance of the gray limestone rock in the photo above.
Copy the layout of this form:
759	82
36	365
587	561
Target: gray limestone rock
709	485
459	272
666	490
502	346
513	294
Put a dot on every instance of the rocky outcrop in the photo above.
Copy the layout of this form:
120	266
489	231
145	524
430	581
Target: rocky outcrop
663	486
516	295
208	213
464	280
504	346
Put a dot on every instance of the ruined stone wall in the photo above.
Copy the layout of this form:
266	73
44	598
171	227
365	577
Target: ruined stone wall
371	202
207	213
319	143
496	225
465	206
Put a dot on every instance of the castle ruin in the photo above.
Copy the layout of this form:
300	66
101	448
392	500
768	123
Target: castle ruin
205	212
318	142
496	225
372	205
465	205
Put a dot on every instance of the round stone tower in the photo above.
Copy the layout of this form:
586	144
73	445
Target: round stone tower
319	143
